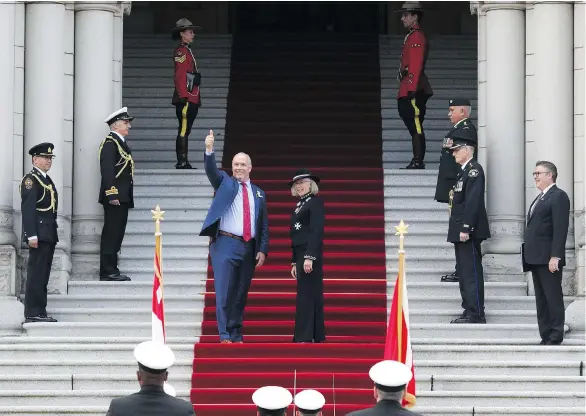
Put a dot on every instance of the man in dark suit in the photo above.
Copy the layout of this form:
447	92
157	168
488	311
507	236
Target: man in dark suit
543	251
467	229
459	115
39	201
237	223
116	192
390	380
154	358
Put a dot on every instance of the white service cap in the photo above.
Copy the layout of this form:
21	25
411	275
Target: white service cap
272	398
390	375
121	114
309	400
154	356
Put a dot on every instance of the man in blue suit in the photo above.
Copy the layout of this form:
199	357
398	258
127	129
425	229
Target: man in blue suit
238	225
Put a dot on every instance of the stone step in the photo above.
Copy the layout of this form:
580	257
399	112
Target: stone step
422	260
414	214
167	71
408	201
171	122
196	142
434	303
88	352
168	111
410	178
503	383
166	159
203	62
433	106
410	191
154	103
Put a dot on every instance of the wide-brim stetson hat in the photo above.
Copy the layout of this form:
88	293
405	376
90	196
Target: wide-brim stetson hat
410	6
302	174
181	25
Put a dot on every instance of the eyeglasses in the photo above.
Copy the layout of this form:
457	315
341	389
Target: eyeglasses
536	174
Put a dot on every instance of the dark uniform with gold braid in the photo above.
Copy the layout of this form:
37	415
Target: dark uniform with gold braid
117	169
468	215
307	232
448	168
39	203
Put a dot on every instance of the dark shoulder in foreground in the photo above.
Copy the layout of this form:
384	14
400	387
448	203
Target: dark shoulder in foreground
377	411
137	403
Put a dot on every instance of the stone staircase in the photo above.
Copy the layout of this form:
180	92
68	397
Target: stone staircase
495	368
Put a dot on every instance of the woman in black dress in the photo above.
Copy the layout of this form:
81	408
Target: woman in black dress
307	230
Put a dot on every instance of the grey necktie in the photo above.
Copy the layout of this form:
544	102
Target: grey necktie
535	204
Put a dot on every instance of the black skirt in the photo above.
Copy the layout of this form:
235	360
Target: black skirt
309	303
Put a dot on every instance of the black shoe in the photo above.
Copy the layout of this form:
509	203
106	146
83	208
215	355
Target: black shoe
415	164
117	277
39	318
183	165
543	342
553	342
468	320
449	278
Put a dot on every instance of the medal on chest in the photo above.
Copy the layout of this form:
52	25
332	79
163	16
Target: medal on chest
458	186
300	205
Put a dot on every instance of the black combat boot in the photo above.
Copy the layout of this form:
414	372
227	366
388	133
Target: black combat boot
181	152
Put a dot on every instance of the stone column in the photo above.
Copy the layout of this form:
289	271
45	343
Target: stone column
45	109
505	133
11	310
550	90
94	54
575	311
481	110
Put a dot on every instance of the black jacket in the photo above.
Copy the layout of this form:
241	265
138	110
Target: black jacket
117	169
384	408
150	401
307	227
39	203
448	168
547	229
468	210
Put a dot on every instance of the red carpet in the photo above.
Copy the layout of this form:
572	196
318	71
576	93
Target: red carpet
313	103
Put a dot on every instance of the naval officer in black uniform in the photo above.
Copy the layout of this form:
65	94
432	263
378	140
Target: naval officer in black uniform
468	228
116	192
39	202
307	231
459	114
154	359
390	380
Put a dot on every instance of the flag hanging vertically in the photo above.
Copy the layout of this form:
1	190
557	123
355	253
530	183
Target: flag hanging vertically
158	309
398	340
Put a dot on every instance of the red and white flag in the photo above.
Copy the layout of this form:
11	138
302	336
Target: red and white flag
158	311
398	341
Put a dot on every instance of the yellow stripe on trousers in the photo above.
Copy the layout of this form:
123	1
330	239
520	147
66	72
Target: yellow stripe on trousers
184	120
417	122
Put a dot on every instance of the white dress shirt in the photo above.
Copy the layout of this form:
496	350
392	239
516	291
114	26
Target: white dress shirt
119	135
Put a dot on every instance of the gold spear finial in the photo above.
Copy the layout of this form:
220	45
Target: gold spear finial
401	231
158	217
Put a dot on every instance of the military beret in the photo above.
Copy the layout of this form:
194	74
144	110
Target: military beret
42	149
457	102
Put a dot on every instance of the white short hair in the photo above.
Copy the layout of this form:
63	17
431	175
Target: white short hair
313	188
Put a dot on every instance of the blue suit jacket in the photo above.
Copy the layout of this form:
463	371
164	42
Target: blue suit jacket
226	190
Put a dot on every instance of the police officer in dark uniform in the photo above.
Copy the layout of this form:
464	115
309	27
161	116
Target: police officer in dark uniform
307	230
468	228
186	97
116	192
39	202
154	359
459	114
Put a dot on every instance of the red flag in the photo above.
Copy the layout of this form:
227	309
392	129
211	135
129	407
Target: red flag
398	341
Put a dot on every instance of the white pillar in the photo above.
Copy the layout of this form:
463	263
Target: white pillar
550	98
505	132
94	54
481	110
44	110
11	310
575	312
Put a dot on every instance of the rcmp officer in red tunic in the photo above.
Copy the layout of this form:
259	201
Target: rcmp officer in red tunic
116	192
186	98
468	228
39	201
414	88
459	114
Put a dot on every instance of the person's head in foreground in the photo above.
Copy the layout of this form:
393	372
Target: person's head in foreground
272	401
462	150
390	379
309	403
154	359
304	183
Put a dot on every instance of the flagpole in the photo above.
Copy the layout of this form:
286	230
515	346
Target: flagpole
158	217
401	231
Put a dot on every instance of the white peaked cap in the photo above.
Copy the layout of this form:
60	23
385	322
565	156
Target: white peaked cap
311	400
121	114
169	389
272	398
390	373
154	355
